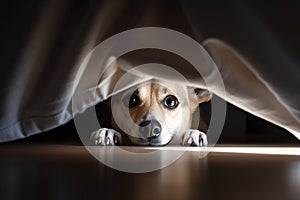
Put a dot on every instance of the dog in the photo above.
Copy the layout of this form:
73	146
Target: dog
154	113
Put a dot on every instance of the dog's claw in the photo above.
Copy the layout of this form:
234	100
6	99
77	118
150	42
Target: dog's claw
194	137
106	137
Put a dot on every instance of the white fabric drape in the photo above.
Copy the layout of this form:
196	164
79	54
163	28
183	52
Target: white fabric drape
38	73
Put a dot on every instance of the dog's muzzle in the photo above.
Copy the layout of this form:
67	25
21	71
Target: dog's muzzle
151	133
150	129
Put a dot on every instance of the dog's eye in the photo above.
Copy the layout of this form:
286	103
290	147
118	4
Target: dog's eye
170	102
132	101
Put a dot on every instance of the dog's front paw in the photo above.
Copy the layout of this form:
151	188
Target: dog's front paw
194	137
106	137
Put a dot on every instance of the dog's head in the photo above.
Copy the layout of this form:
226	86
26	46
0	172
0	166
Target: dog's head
153	113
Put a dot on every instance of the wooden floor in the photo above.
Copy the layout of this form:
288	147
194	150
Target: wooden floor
70	172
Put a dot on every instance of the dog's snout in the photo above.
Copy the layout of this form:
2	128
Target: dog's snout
145	123
150	129
155	129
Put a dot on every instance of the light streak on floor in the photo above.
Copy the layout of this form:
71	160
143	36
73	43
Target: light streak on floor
246	150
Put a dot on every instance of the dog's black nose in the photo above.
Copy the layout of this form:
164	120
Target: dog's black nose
150	128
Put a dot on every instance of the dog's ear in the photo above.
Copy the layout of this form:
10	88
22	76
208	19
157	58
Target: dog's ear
203	95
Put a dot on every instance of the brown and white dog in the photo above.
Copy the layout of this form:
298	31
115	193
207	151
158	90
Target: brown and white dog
154	113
